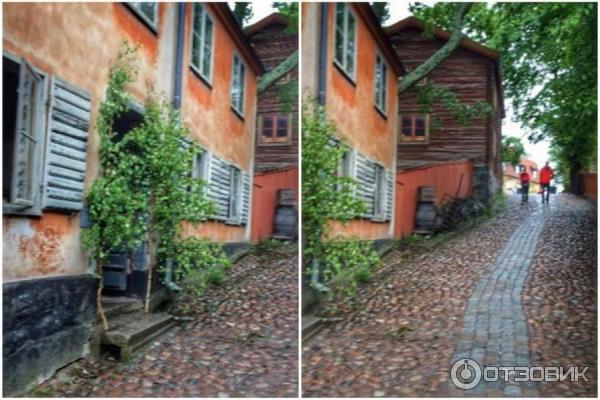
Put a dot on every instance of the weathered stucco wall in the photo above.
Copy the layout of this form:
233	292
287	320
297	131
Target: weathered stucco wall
77	42
452	178
351	106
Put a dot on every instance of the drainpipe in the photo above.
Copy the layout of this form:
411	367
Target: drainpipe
321	76
177	84
322	55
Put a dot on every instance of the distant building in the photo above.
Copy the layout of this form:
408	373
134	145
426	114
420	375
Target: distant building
512	175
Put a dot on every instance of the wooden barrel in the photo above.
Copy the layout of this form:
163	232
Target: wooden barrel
285	225
426	216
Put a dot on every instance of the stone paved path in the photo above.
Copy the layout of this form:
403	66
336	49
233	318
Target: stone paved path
489	293
242	342
494	331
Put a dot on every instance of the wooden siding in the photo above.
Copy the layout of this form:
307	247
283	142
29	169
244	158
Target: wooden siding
471	76
273	45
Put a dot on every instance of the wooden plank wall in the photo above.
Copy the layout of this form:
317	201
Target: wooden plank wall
273	45
470	76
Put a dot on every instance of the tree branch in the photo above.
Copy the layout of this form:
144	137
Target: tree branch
272	76
456	37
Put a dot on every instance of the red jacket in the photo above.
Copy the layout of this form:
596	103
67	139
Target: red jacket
546	174
524	177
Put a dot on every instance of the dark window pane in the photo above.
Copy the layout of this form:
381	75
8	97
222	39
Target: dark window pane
282	126
419	125
407	126
267	126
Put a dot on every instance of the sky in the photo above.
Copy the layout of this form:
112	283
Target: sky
536	152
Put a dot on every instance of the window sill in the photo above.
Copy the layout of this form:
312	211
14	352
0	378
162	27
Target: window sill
11	209
379	220
237	113
412	142
199	76
344	73
274	144
381	113
141	17
232	222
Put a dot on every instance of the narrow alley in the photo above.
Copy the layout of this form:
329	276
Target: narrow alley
517	290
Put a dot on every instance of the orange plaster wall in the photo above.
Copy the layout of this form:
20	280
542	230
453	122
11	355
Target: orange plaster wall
207	109
352	108
444	178
264	199
77	42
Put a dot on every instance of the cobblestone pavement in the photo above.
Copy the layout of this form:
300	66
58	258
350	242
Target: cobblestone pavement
242	343
419	316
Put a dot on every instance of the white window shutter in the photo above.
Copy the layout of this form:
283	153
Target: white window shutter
246	181
389	201
26	138
66	148
365	176
219	186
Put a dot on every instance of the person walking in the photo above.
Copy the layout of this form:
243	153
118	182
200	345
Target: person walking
524	177
546	175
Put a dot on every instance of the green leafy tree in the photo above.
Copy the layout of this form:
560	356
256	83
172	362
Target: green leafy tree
512	150
144	190
289	11
243	12
381	10
327	196
549	63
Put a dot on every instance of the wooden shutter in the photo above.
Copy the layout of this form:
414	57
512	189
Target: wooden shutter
365	176
219	186
389	201
66	147
246	181
26	138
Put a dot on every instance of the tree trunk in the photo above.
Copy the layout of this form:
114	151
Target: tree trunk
99	298
456	37
575	177
276	73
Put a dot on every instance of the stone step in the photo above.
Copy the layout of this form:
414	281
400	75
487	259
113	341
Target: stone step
115	307
311	325
132	331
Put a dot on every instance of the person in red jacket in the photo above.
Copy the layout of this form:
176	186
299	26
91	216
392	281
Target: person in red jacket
546	175
524	177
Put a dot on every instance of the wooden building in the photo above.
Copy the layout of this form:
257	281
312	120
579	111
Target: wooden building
435	142
276	148
59	54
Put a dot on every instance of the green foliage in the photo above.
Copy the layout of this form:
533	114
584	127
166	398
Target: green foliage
243	12
345	264
512	150
327	196
144	190
548	54
428	94
193	254
381	10
289	11
287	94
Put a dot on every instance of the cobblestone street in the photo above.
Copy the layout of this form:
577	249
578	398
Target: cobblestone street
241	343
517	290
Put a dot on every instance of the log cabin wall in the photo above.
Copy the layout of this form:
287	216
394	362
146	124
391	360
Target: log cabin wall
273	44
472	77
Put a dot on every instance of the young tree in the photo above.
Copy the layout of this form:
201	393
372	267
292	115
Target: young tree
512	150
243	12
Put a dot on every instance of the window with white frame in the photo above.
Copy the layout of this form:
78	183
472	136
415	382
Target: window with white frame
235	195
146	10
380	193
237	85
201	166
345	38
346	167
380	83
202	42
22	139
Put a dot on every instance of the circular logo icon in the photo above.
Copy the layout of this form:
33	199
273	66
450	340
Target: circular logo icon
465	373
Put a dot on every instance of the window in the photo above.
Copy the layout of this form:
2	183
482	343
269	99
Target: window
380	83
202	42
345	32
22	139
380	192
346	167
414	127
127	121
520	168
275	128
237	85
201	166
146	11
235	195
